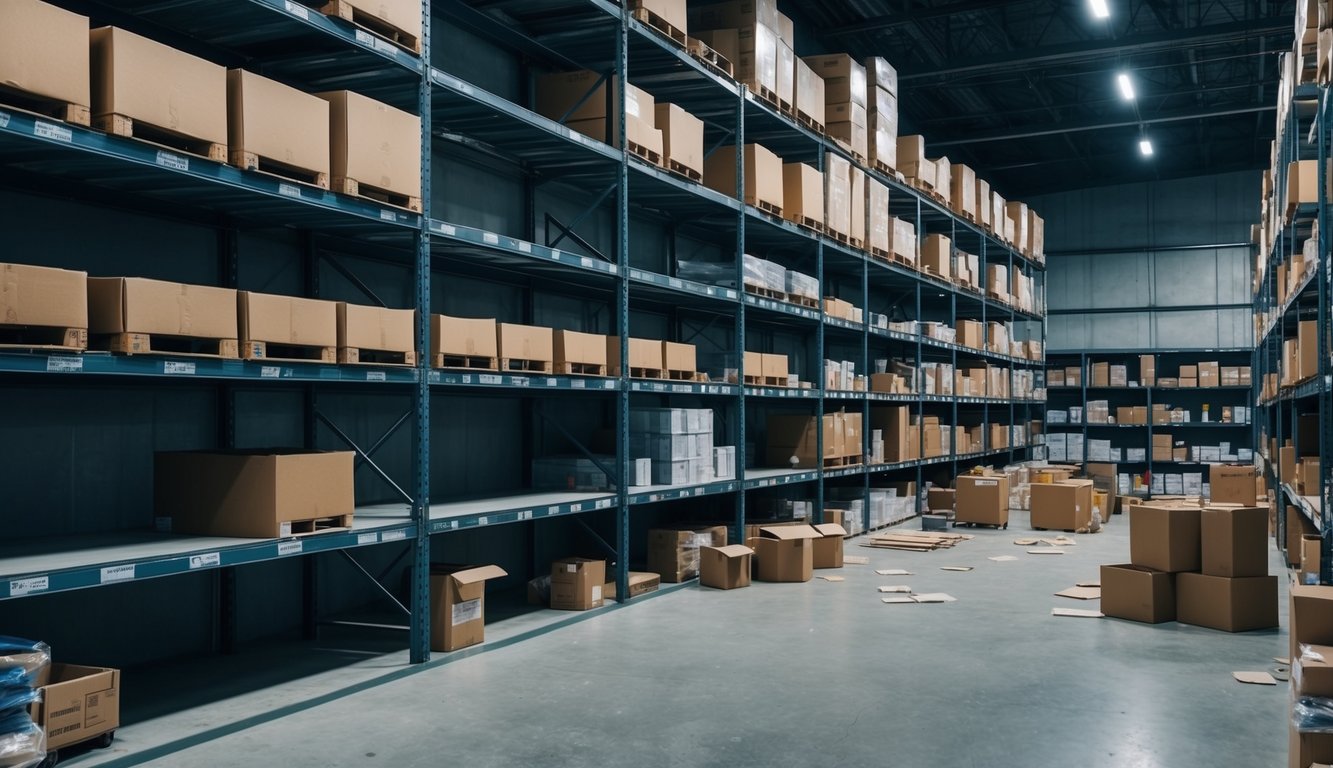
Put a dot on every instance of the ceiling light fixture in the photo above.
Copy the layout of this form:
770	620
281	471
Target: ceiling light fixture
1099	9
1126	86
1145	147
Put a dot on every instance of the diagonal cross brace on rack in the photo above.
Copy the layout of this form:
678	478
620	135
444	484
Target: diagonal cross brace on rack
364	455
611	475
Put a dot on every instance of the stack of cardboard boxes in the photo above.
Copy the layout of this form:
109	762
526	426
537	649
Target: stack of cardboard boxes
793	440
845	109
882	114
746	33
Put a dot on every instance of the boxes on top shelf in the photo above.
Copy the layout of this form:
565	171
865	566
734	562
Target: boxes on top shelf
375	145
452	338
44	51
752	50
286	321
809	94
46	297
844	78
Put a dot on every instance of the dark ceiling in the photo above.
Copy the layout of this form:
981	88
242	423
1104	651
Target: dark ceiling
1024	91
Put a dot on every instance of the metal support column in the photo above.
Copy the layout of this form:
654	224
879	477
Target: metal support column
621	543
741	415
1325	393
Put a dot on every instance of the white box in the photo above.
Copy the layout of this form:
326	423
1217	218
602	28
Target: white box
668	421
1174	483
1136	454
701	470
1193	483
1245	454
671	472
1057	417
1117	455
1155	484
641	470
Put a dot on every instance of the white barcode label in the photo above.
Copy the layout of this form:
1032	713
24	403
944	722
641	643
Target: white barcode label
553	510
51	131
4	119
298	10
491	238
597	593
365	38
525	515
206	560
64	364
367	538
525	246
178	368
172	160
387	215
289	190
483	520
285	529
462	613
585	261
116	573
448	229
270	372
28	586
552	382
376	376
384	46
393	536
576	383
489	379
290	548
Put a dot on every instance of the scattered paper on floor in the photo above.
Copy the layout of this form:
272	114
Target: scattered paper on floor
892	571
1081	593
1254	678
936	597
1076	613
1060	541
833	578
855	560
1097	584
902	599
1003	558
896	588
959	568
1026	542
1046	551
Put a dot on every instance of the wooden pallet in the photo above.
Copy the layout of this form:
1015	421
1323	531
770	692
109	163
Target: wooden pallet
769	97
766	293
121	125
710	58
814	225
76	114
803	301
359	356
915	541
466	362
373	24
580	369
161	344
840	237
842	461
885	169
787	108
857	243
881	254
320	525
659	25
684	172
683	375
378	194
42	337
297	353
968	215
810	122
647	154
251	161
765	381
769	208
644	373
525	366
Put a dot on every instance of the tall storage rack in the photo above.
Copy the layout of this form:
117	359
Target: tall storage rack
110	171
1304	134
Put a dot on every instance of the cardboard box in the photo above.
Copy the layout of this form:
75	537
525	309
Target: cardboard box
752	49
674	552
828	547
1310	617
878	236
1064	505
982	499
682	135
577	584
937	256
1232	484
643	354
963	190
558	94
44	51
735	13
276	122
1165	536
525	342
461	337
881	74
1231	605
793	436
844	78
574	348
774	366
1298	527
118	305
639	131
1138	594
1101	374
42	296
1308	750
405	14
941	499
725	567
802	193
785	553
809	92
857	203
1307	342
838	193
252	494
1315	676
640	583
78	703
374	144
763	174
1309	573
1147	370
375	329
458	605
286	320
1234	541
158	86
678	357
1302	182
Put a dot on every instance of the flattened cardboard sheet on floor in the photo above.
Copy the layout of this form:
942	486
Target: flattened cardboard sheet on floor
1026	542
892	588
958	568
833	578
1003	558
1254	678
893	572
1077	613
1097	584
935	597
1046	551
1081	593
855	559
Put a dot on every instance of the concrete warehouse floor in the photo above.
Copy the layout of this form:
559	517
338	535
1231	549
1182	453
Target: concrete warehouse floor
817	674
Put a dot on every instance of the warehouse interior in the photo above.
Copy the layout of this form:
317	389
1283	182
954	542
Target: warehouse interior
702	358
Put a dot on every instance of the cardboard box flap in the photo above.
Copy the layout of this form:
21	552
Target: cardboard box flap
830	529
789	532
733	550
480	573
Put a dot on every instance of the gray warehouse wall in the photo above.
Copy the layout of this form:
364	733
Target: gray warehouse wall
1156	265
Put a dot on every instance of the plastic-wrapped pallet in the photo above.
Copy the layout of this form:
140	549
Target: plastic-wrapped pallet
22	742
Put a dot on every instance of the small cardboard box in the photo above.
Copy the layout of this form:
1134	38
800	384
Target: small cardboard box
461	337
763	174
844	77
577	584
1138	594
43	296
1310	560
1310	617
828	547
785	553
1308	750
940	499
725	567
1315	676
374	144
1234	540
1165	537
78	703
674	552
136	305
458	605
1147	370
682	136
277	319
983	499
525	342
44	51
572	347
678	357
252	494
157	85
1065	505
774	365
937	255
277	123
640	583
1231	605
376	329
802	193
643	353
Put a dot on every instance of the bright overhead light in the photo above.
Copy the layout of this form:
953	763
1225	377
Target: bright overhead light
1145	147
1099	9
1126	86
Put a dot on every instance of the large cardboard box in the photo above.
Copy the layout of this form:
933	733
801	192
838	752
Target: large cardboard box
726	567
400	14
785	553
963	197
276	123
794	437
1138	594
577	584
1298	526
682	136
42	296
674	552
458	605
44	51
525	342
78	703
1064	505
1147	370
574	348
809	92
120	305
763	174
1232	483
1165	536
844	78
982	499
643	353
374	144
461	337
672	12
785	72
1302	182
376	329
752	49
1309	573
838	193
735	13
1307	341
1231	605
858	204
1310	617
1315	674
639	131
253	494
802	193
937	256
1234	540
159	86
279	320
878	236
828	547
774	366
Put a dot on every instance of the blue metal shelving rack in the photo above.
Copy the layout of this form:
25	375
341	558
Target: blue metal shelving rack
321	53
